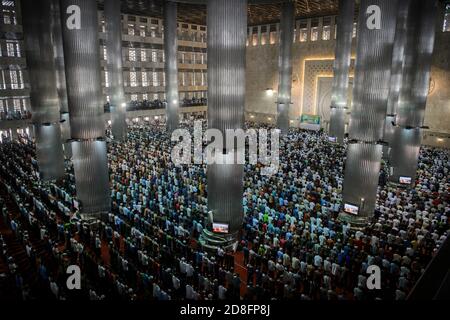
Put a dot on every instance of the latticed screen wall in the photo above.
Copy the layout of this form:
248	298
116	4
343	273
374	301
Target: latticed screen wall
314	70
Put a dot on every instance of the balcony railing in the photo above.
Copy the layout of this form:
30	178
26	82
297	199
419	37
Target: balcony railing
15	115
159	104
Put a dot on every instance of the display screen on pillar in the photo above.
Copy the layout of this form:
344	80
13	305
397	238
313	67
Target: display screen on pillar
220	227
405	180
351	208
332	139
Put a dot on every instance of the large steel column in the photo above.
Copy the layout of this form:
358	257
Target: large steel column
396	73
43	95
171	65
285	65
341	69
227	26
401	79
61	77
413	96
114	67
376	22
81	57
405	148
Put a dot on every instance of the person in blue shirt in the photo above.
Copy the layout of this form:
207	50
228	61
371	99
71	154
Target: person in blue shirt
126	212
281	201
280	254
288	235
43	272
255	222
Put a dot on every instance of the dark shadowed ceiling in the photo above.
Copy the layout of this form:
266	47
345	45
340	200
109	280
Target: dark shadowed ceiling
265	11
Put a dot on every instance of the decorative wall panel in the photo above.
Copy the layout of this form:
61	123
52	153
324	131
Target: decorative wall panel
314	69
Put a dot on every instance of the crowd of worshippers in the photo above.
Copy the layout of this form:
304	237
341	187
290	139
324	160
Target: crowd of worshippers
158	104
292	245
15	115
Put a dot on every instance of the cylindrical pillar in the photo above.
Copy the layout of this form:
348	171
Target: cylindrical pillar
405	148
376	22
38	36
227	26
389	130
31	132
398	56
399	71
59	57
341	69
285	65
81	57
171	65
91	175
114	66
61	78
15	137
413	95
48	137
413	116
65	134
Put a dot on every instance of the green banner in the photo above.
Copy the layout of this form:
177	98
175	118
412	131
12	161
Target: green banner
310	119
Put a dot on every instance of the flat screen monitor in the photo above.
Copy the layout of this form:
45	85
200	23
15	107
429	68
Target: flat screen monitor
332	139
220	227
351	208
405	180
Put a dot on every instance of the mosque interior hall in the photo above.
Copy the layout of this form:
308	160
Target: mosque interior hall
224	150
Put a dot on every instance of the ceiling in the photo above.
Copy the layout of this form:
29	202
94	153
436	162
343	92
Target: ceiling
265	11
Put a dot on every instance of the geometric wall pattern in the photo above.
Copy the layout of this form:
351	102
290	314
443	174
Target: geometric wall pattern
323	97
314	69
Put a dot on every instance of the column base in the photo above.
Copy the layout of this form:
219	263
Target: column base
356	222
386	153
91	219
210	241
